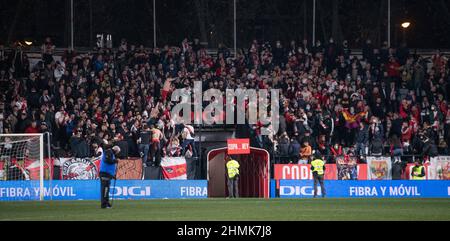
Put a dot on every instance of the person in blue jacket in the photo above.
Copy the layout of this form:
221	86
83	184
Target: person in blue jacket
108	165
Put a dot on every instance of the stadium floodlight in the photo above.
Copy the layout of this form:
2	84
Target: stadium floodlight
22	166
406	25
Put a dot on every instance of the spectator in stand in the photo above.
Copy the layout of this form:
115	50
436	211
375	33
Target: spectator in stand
362	140
32	128
48	49
396	148
98	149
283	148
336	151
156	152
294	151
393	71
376	147
368	50
144	144
324	91
376	130
188	139
173	149
305	153
407	132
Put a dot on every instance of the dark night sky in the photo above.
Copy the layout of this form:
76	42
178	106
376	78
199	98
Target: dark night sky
262	19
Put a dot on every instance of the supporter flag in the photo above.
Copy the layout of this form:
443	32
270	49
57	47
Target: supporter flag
28	169
379	168
347	168
32	169
174	168
439	168
352	121
79	168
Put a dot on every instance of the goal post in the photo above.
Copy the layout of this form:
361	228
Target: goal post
23	166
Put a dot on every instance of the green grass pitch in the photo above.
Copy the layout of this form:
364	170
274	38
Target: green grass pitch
233	210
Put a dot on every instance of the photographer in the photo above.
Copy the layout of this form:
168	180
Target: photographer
108	167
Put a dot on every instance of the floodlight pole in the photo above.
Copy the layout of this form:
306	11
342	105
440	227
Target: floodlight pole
314	24
235	31
91	34
389	23
154	23
71	25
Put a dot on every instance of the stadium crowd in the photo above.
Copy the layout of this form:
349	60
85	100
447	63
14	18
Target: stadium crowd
389	102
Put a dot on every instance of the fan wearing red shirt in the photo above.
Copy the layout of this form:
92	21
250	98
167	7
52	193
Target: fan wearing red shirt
393	71
393	68
32	129
407	132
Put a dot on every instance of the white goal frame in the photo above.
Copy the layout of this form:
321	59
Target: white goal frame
41	158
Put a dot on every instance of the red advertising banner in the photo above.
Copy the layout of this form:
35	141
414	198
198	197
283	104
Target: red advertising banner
362	172
302	172
238	146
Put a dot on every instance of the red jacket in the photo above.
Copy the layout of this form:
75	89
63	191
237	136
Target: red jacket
392	69
406	136
31	130
402	112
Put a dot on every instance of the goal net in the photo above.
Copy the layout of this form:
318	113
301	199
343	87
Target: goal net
22	167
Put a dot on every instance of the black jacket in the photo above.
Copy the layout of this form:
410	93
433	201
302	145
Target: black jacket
362	136
294	148
283	147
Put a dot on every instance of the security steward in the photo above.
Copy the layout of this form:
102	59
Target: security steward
418	171
318	170
233	177
108	165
